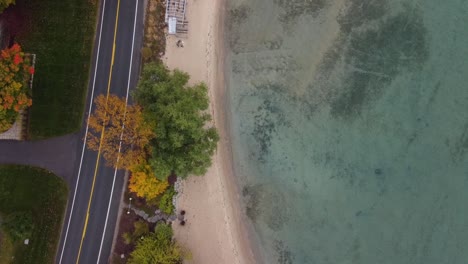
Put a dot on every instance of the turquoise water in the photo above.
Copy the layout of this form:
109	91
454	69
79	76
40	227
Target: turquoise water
350	128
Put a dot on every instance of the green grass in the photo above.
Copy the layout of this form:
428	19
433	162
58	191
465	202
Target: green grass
44	195
61	33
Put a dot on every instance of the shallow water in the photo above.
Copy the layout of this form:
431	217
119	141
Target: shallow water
350	128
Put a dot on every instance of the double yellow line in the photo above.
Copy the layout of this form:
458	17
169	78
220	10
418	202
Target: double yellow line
102	135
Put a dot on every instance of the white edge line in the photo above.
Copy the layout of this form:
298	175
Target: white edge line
121	135
86	133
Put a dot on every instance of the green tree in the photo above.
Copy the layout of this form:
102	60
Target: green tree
184	144
157	247
5	3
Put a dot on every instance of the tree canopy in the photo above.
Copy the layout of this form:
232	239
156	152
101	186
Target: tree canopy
185	142
157	247
5	3
144	183
15	70
106	124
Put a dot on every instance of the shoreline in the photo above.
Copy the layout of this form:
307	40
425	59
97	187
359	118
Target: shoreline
216	231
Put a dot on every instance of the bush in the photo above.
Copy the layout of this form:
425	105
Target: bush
18	225
165	204
146	53
127	238
158	247
141	229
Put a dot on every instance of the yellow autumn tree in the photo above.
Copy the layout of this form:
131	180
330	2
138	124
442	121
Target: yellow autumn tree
119	128
144	183
5	3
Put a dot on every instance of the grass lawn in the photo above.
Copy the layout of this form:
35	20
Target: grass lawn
61	33
41	194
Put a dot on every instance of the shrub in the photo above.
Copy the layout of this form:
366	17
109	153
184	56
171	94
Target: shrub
158	247
166	204
146	53
141	229
127	238
18	225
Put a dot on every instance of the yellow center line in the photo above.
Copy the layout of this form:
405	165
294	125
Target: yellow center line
101	138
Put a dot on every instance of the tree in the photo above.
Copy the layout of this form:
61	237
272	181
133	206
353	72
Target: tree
5	3
144	183
157	247
106	133
15	70
185	143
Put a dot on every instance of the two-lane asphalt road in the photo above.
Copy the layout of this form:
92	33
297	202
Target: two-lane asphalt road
95	195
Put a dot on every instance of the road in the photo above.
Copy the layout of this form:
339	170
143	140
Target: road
96	190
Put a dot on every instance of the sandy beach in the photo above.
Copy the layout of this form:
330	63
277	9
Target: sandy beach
214	231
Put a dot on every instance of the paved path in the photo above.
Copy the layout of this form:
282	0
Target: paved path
57	154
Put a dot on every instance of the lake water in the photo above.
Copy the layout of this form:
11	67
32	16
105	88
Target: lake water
350	128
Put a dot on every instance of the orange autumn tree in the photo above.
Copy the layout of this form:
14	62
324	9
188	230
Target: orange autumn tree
106	135
15	71
144	183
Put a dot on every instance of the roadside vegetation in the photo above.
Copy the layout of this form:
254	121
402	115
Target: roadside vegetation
157	247
61	34
166	132
171	135
32	205
176	139
154	44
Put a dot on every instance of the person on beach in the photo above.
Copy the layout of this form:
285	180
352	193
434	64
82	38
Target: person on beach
181	217
180	43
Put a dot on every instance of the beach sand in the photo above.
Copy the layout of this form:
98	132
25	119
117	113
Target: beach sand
214	232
